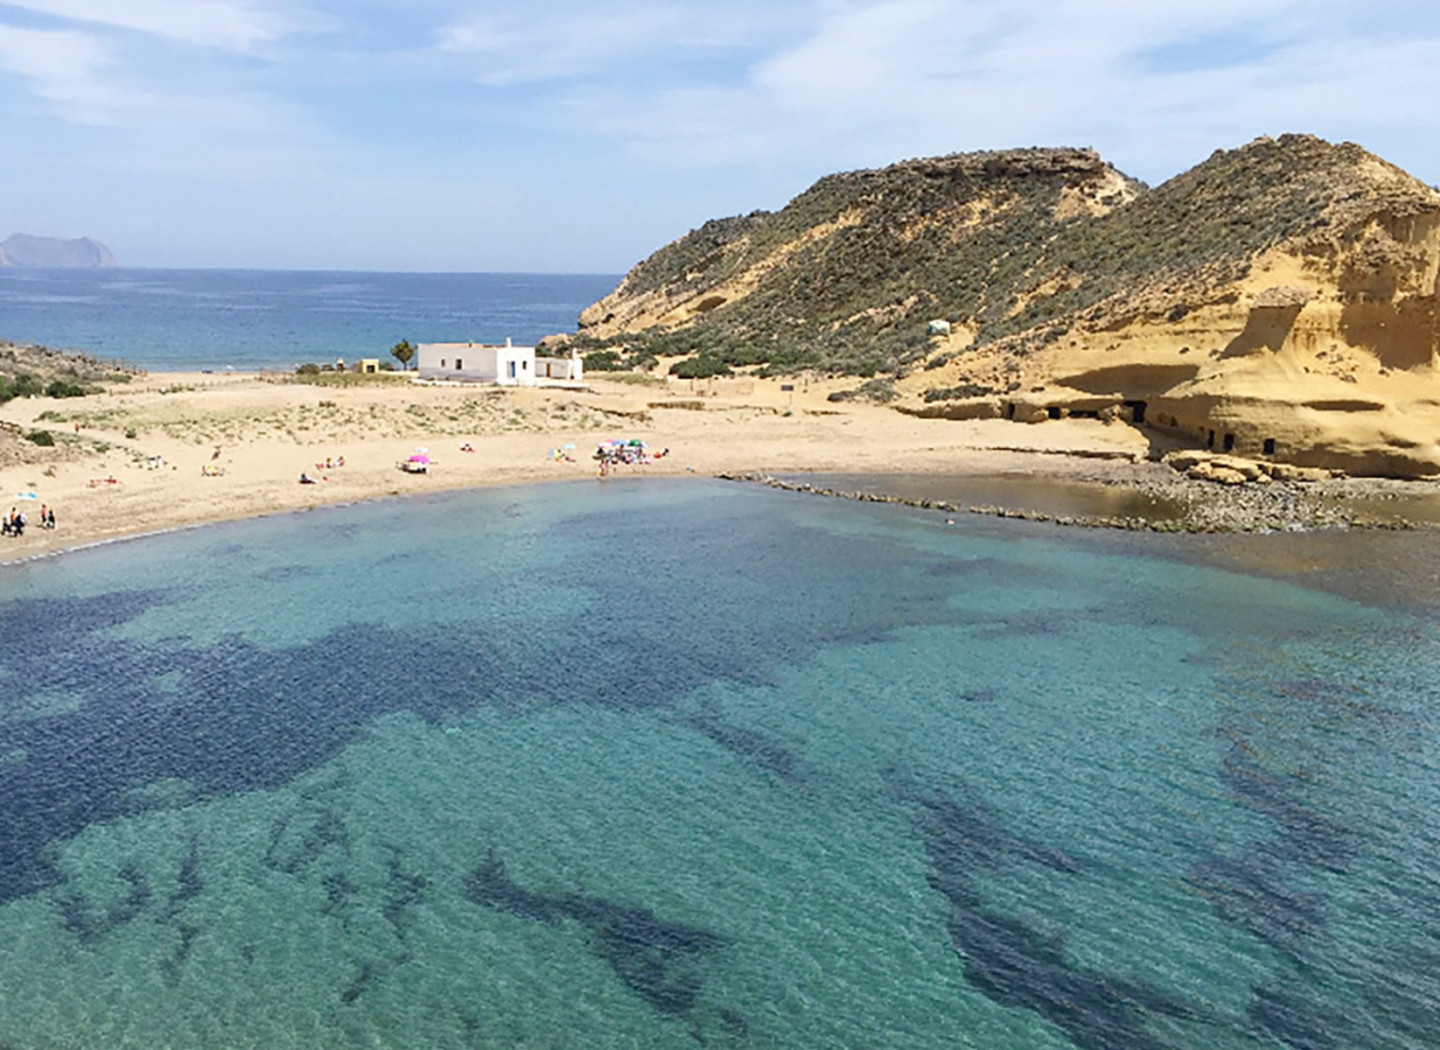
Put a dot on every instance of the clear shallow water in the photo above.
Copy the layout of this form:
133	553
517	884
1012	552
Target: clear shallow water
247	319
654	764
1060	496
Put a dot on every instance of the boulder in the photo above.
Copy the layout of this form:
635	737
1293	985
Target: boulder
1290	472
1182	459
1209	471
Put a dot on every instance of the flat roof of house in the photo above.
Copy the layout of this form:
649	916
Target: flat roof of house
478	346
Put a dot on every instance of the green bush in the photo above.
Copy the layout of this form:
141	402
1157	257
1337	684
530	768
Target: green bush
42	437
604	361
60	388
308	369
880	390
958	393
702	366
24	385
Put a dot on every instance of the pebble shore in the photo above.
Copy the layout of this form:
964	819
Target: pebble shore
1206	507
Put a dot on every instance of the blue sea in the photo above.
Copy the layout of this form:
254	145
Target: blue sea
685	763
190	320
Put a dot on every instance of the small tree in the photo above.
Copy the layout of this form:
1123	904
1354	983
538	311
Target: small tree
403	351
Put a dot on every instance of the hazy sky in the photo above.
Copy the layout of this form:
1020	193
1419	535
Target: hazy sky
563	136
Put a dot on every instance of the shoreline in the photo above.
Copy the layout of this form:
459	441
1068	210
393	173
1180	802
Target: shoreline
1225	511
179	450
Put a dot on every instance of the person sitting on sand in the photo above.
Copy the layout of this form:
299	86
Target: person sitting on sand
49	522
467	447
306	479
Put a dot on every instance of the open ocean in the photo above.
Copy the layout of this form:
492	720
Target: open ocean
189	320
688	763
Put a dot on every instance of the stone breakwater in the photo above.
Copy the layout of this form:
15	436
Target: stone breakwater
1206	508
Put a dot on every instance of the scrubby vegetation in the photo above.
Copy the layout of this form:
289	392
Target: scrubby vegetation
957	393
328	376
880	391
1020	244
37	371
22	385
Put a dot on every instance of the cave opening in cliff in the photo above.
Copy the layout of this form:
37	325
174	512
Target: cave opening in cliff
1269	446
1229	442
1137	411
1053	411
1010	410
1210	441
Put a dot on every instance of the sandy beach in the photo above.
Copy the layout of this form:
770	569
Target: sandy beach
174	450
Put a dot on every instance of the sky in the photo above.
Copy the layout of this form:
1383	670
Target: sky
569	137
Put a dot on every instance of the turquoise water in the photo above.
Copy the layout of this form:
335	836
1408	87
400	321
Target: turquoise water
671	764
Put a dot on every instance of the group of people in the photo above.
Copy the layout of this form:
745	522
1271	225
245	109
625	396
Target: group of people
13	524
628	453
331	463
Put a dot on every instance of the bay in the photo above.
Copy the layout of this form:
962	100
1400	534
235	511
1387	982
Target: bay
666	763
192	320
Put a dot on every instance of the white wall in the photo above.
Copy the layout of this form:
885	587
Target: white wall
477	362
565	369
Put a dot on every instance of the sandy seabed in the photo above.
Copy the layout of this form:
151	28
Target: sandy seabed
174	450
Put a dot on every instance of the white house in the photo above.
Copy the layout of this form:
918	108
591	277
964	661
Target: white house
507	365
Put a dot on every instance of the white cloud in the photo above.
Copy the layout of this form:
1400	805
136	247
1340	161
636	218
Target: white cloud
1157	84
532	46
629	118
237	26
69	70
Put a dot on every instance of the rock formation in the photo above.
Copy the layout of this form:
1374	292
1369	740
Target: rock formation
23	249
1278	301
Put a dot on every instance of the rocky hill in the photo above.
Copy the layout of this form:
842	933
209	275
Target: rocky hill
26	250
31	368
1278	300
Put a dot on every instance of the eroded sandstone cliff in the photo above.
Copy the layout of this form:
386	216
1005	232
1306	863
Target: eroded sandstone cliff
1278	300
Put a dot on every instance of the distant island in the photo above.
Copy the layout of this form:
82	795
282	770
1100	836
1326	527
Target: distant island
23	250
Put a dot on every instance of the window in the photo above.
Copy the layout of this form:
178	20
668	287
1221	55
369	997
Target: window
458	364
512	369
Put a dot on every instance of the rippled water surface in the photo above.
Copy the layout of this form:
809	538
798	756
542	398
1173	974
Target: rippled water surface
670	764
273	319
